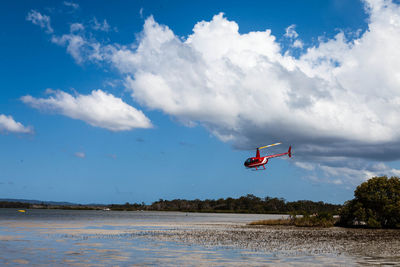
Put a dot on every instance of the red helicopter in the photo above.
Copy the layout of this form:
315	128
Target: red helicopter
258	161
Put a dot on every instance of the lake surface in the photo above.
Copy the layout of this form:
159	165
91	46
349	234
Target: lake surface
113	238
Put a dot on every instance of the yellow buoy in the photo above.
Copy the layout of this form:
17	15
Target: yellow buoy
21	210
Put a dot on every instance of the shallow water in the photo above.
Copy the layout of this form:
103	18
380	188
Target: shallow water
105	238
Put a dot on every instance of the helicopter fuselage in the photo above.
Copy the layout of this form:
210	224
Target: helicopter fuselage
255	162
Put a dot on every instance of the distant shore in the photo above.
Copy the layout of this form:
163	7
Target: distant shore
244	204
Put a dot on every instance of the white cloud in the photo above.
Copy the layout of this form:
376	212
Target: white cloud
305	165
75	45
339	98
78	46
98	109
71	4
290	32
337	102
75	27
100	26
352	172
38	19
292	35
8	124
222	79
298	44
80	155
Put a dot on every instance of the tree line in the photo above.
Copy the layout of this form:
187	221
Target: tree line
244	204
18	205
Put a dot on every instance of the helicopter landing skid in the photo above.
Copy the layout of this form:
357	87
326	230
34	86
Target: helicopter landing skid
256	169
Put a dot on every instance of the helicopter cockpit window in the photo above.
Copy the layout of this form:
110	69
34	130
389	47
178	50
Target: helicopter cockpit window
249	160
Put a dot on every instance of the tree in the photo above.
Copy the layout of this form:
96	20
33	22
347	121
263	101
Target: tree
376	204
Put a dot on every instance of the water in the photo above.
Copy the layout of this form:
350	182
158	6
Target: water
120	238
129	216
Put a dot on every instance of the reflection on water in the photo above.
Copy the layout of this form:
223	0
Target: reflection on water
104	238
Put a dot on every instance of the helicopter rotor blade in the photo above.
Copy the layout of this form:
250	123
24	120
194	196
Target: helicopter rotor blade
269	145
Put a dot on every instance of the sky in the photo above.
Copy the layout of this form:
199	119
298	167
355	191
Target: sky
135	101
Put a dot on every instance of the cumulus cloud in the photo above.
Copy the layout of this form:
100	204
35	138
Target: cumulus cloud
337	103
338	99
8	124
98	109
38	19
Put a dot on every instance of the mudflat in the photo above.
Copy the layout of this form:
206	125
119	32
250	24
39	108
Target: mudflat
291	239
98	239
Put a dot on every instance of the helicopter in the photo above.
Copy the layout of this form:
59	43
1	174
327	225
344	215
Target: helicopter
258	161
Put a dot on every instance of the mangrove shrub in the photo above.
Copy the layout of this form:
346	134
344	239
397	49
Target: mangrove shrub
376	204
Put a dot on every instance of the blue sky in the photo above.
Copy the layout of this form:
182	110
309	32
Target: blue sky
97	107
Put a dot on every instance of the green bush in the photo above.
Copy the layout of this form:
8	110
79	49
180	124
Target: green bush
376	204
305	220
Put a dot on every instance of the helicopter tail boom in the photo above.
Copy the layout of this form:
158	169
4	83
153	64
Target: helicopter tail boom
289	153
